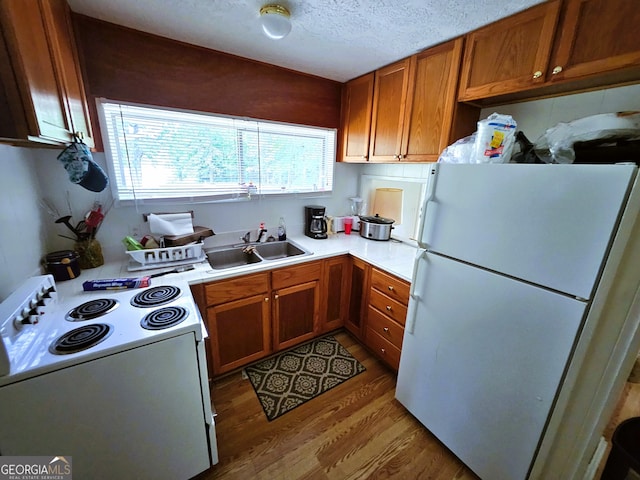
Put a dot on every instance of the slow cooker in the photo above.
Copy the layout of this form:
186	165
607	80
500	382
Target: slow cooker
376	227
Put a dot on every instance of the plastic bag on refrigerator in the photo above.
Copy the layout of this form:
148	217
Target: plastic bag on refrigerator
459	152
494	139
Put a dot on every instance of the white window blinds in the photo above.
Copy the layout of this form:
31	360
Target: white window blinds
167	154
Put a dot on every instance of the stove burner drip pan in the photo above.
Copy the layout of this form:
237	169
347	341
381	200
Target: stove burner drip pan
91	309
81	338
164	318
155	296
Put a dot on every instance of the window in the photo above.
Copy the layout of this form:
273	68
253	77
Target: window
161	154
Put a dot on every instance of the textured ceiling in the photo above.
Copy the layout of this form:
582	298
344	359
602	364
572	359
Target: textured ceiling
334	39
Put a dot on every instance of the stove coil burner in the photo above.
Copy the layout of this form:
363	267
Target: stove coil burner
165	317
155	296
91	309
81	338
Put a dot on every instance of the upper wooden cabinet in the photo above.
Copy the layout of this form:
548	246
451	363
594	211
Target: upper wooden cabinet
357	99
433	119
509	55
549	49
412	109
40	74
595	37
389	103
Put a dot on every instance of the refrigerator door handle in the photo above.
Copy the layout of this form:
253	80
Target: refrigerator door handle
428	198
414	298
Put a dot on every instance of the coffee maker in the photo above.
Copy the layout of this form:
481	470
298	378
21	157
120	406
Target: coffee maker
315	225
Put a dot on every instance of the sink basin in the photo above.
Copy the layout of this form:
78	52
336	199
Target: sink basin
234	256
231	257
275	250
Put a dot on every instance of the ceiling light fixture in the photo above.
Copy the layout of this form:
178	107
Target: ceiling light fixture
275	21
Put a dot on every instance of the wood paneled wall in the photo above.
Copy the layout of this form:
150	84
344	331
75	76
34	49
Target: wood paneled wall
128	65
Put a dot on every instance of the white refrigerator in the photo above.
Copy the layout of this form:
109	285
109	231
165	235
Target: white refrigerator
510	259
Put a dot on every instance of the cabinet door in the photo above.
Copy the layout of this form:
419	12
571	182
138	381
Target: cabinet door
356	124
240	332
389	101
596	36
296	314
41	105
63	49
358	296
509	55
431	102
335	291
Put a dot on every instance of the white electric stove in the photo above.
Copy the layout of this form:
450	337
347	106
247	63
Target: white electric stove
116	379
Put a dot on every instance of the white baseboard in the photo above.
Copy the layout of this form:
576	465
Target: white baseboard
596	459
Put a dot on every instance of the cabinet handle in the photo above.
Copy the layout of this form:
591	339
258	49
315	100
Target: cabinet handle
79	134
556	70
537	74
364	157
390	287
276	296
389	308
383	351
266	299
385	329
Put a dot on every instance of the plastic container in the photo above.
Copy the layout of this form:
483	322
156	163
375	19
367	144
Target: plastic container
282	230
63	265
153	256
348	223
625	451
494	139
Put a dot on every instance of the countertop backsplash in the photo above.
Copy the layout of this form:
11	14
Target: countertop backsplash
229	220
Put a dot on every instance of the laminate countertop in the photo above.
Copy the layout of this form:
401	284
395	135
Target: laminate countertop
391	256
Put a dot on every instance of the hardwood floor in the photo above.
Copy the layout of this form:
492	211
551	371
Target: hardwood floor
355	431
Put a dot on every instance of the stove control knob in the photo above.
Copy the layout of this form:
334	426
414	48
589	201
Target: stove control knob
44	301
29	318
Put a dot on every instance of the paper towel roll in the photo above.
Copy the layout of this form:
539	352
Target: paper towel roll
171	223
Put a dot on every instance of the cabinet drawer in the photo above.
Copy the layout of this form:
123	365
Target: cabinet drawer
286	277
388	306
383	348
385	326
236	288
391	286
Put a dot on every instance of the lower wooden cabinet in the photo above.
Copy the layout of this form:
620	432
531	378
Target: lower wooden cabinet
238	321
252	316
358	296
386	315
335	301
296	304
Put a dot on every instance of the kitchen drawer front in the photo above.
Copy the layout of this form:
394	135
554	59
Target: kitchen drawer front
383	348
391	286
236	288
388	306
385	326
286	277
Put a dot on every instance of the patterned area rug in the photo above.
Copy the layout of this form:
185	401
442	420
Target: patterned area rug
294	377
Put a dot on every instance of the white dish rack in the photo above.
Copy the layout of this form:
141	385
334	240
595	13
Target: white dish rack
161	257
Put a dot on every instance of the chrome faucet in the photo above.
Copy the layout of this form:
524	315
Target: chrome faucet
246	238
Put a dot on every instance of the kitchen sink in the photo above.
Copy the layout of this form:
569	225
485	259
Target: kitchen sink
231	257
275	250
246	254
